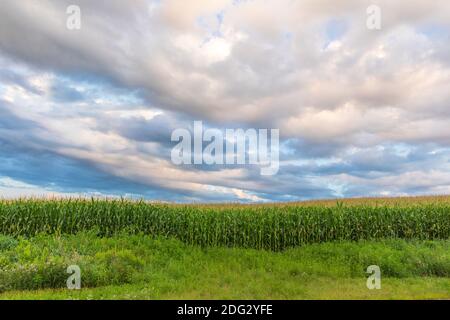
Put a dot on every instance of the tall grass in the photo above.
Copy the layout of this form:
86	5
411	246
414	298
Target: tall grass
260	227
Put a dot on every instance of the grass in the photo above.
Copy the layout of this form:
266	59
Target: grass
141	267
316	288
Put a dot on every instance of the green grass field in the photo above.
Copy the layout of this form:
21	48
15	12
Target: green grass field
136	250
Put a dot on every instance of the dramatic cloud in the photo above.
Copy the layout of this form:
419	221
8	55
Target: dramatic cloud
91	111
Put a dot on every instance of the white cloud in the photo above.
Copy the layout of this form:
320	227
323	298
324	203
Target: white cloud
262	64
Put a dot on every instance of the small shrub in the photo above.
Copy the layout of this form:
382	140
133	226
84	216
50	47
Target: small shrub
119	265
7	242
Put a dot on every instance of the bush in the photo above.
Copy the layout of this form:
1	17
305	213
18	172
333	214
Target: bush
119	265
7	242
51	274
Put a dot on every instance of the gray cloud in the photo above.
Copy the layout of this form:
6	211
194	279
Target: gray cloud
348	101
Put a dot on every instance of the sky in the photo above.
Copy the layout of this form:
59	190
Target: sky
90	111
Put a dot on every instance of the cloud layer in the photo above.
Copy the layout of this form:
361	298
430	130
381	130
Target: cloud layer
360	112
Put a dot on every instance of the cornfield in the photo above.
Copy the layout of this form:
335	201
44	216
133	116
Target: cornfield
260	227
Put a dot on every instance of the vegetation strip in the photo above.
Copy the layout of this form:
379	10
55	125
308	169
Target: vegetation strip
259	227
136	266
